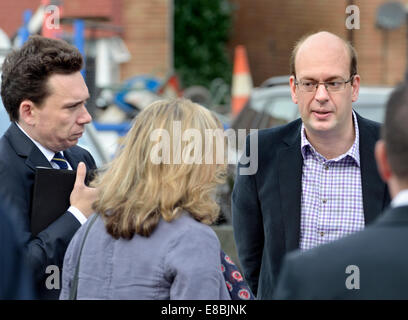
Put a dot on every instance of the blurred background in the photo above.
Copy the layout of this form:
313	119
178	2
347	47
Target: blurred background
232	56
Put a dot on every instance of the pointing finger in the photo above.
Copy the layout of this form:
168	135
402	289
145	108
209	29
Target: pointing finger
80	175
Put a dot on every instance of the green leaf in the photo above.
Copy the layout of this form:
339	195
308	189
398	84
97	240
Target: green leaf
201	31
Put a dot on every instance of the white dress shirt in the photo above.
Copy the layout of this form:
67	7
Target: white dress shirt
49	155
401	199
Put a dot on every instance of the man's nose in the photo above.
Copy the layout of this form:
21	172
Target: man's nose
321	94
84	117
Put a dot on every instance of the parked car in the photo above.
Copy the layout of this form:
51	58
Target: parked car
89	139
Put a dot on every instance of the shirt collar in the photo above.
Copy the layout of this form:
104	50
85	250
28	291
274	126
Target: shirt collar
401	199
46	152
353	152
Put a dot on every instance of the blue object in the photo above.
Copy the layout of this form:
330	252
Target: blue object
120	128
142	82
79	39
23	31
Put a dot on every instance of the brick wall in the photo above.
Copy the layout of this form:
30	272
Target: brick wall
148	37
382	54
146	27
101	9
269	28
11	14
105	11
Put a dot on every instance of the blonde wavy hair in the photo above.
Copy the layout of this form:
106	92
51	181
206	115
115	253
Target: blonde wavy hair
135	192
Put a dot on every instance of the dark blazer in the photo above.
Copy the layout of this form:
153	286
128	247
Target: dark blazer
18	159
379	251
16	281
266	208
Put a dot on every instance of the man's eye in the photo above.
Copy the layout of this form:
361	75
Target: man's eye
334	84
309	84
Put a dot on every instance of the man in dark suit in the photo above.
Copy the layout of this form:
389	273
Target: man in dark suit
44	94
16	282
373	263
316	180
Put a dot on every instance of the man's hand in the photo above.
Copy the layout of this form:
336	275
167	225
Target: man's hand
82	197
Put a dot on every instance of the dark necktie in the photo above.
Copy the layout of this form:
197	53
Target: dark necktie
60	161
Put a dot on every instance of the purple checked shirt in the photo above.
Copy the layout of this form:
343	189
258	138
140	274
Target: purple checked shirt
332	199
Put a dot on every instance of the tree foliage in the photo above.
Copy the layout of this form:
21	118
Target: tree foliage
201	30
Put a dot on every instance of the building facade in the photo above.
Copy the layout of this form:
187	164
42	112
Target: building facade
269	29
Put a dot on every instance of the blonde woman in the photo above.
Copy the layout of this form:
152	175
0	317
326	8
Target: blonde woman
150	238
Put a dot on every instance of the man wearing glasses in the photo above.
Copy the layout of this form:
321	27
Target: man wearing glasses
317	179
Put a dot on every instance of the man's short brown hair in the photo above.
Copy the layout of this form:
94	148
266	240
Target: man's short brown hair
395	131
25	71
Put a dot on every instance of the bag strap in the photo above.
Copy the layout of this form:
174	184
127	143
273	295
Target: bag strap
74	287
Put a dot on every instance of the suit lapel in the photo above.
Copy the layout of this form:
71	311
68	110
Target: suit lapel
37	159
372	186
25	148
290	164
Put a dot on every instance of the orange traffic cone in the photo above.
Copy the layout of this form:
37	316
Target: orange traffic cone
171	87
241	81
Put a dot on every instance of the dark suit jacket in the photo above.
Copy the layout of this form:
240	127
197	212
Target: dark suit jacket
18	159
16	281
379	251
266	207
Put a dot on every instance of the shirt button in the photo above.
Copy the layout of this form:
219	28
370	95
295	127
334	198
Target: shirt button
326	167
322	234
324	200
